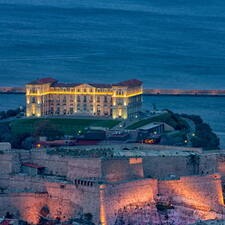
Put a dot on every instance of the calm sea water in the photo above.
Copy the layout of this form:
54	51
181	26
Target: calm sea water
211	109
167	44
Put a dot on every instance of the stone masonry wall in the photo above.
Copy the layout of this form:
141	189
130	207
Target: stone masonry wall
121	169
164	166
9	163
63	199
114	197
196	191
54	164
84	168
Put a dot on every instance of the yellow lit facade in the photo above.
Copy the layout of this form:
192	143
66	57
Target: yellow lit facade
47	97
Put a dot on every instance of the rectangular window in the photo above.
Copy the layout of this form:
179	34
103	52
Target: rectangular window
71	110
33	100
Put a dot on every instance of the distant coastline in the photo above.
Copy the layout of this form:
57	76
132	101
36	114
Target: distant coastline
147	92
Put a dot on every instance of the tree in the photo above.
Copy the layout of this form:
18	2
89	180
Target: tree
2	115
5	133
11	112
47	129
28	142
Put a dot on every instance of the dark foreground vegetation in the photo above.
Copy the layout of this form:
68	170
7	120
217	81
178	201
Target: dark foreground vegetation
23	133
11	113
172	119
204	136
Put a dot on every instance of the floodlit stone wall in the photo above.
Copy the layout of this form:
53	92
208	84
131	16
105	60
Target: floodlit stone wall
68	201
25	205
115	188
196	191
114	197
26	196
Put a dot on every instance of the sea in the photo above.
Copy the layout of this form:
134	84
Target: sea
166	44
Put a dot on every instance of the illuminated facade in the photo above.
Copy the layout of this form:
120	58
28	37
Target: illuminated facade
47	97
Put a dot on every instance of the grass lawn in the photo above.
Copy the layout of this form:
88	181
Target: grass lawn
169	118
67	126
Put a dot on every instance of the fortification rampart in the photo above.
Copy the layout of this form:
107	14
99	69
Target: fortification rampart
106	186
25	205
114	170
9	163
196	191
63	199
114	197
84	168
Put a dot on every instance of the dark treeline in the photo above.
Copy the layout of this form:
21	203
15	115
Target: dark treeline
11	113
204	135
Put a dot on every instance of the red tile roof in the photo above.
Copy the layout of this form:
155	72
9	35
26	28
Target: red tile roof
129	83
46	80
32	165
53	82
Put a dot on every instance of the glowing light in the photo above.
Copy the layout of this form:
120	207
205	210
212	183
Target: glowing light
38	145
103	220
125	116
135	160
120	112
85	93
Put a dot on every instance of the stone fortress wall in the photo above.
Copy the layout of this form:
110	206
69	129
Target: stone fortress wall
110	188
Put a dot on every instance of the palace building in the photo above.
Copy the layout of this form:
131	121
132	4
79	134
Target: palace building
48	97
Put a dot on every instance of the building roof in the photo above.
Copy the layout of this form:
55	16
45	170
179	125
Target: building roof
54	83
150	126
65	84
101	85
47	80
129	83
32	165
